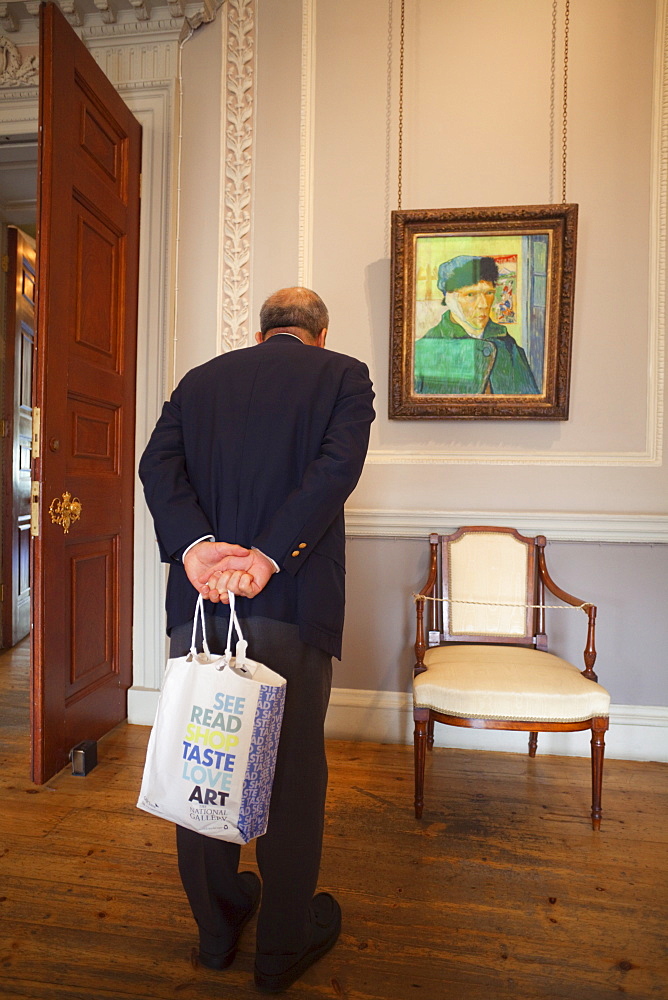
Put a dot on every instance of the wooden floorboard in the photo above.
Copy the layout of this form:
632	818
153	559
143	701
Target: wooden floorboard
502	891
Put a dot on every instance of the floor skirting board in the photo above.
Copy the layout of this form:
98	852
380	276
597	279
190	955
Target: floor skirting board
637	732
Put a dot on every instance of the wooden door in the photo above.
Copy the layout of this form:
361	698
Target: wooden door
87	252
17	434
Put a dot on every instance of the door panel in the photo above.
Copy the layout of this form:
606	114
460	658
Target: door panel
85	387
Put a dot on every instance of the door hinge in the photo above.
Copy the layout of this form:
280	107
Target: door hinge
4	263
36	422
34	509
2	592
4	428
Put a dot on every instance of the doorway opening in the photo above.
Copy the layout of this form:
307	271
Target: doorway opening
18	215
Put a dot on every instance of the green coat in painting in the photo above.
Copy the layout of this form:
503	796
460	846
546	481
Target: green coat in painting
450	362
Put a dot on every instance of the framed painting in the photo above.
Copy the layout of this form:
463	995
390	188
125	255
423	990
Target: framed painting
482	313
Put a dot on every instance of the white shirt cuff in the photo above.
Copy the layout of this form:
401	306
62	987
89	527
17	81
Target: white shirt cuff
273	562
204	538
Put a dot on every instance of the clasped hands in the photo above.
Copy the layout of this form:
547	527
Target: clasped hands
213	568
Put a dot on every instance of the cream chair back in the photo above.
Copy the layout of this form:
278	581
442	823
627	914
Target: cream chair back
493	570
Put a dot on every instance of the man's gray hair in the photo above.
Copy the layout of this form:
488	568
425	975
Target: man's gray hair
298	307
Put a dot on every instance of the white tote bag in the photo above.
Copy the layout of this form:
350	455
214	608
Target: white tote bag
212	751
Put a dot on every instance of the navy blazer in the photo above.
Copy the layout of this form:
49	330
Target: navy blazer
262	446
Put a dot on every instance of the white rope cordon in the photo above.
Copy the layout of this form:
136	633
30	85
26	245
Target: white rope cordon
502	604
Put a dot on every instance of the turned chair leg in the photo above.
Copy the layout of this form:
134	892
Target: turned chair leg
420	743
430	735
598	728
533	744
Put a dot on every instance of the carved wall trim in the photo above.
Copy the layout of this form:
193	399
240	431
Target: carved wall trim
155	27
15	71
18	105
132	63
234	257
112	20
649	458
154	108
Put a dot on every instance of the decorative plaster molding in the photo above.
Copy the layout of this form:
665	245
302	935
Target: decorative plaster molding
393	456
111	20
72	12
142	9
119	29
8	19
154	109
237	175
107	13
556	526
18	105
14	70
130	62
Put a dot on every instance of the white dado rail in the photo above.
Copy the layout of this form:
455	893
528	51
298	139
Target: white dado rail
557	526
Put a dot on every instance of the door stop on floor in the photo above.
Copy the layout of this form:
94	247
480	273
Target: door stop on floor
83	757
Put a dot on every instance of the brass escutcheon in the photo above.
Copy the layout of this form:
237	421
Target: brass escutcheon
65	511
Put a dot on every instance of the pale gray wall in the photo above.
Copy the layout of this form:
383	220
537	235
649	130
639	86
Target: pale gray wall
337	137
628	582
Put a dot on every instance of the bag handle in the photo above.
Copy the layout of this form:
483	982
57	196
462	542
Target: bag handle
199	614
242	645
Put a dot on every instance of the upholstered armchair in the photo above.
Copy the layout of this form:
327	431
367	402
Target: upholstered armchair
481	658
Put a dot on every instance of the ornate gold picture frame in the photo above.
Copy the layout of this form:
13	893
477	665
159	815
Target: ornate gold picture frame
482	313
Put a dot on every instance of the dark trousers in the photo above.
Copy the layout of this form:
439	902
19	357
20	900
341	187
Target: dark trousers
288	855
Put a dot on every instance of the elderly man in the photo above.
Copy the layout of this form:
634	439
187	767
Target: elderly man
467	353
246	475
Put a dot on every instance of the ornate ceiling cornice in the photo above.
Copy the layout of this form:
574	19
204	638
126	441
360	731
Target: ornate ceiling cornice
109	18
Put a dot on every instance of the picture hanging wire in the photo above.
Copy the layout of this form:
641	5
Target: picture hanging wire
553	92
564	119
401	101
564	110
564	107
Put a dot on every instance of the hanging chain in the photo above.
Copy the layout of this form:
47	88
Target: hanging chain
564	128
401	102
553	94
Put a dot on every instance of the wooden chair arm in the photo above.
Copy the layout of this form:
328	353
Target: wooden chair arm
590	609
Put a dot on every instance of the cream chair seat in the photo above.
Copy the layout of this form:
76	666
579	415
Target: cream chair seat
507	682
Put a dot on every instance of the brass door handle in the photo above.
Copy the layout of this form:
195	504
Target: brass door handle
65	511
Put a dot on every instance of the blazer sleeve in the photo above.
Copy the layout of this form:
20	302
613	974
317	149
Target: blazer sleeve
179	520
299	523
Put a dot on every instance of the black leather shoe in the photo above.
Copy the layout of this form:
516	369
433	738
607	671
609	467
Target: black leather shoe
325	929
223	960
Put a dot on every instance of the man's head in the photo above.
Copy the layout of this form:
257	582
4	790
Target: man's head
468	285
294	310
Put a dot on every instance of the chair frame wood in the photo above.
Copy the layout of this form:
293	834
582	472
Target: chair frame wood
538	581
